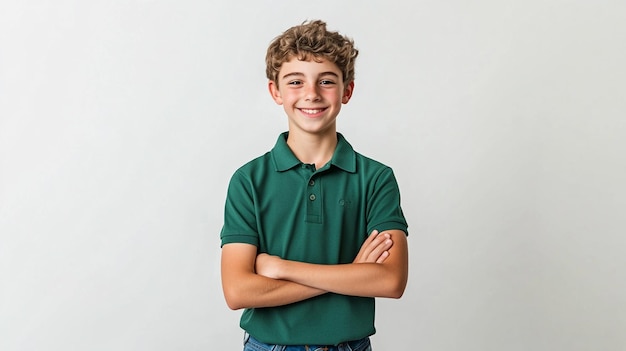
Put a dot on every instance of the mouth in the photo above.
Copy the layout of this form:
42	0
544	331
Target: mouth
312	111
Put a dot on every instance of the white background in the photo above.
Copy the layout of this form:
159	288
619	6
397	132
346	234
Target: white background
122	121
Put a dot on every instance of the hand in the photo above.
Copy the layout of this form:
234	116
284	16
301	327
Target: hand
375	248
267	265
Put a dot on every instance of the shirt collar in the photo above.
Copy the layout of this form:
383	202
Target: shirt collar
344	156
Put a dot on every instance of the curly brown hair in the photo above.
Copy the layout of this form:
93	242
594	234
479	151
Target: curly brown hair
311	40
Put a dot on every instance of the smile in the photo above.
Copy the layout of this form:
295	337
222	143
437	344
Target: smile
312	111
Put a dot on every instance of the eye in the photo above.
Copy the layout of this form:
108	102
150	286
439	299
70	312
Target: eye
326	82
294	82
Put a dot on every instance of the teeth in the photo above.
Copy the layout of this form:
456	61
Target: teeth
311	111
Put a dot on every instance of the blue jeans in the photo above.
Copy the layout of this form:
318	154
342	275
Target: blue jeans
252	344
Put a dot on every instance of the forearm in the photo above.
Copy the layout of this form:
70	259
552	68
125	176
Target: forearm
244	288
372	277
356	279
256	291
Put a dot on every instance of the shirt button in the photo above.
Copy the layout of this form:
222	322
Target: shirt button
311	182
312	197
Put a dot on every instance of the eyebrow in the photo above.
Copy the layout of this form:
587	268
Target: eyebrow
299	74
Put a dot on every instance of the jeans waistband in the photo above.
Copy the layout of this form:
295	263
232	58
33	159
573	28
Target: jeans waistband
252	344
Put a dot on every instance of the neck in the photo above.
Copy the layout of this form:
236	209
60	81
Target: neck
313	149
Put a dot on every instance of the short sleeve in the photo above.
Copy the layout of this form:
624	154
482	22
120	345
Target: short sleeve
239	212
384	211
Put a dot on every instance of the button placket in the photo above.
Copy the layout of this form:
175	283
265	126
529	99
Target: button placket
314	203
312	196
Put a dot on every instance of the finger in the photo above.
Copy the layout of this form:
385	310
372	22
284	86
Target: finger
367	246
371	250
383	257
373	235
382	244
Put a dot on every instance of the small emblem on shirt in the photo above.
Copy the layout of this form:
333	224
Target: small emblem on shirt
345	203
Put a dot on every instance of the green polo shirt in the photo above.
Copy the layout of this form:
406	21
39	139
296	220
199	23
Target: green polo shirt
292	210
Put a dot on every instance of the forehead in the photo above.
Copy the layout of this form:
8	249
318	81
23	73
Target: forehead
311	67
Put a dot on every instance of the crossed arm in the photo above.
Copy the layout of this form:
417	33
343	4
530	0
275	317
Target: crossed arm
250	280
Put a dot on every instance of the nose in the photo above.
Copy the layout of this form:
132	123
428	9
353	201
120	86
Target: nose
312	92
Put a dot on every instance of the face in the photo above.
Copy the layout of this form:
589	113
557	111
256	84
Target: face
311	94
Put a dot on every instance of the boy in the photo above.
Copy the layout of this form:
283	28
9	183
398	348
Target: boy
295	247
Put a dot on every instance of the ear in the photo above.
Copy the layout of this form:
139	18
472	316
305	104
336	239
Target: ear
347	92
273	88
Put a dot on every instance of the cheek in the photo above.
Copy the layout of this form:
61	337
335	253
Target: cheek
290	97
330	94
340	98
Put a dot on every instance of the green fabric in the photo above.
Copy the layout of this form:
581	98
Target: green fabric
290	209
